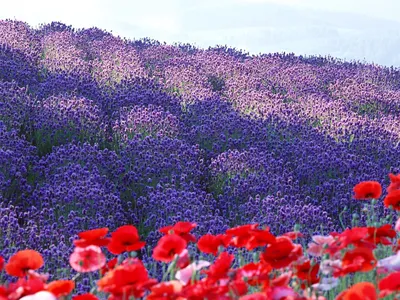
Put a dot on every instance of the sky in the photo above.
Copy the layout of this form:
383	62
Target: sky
364	30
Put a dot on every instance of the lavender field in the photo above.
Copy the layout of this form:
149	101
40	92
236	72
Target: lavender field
97	131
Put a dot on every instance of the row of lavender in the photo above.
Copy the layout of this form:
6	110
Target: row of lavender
99	131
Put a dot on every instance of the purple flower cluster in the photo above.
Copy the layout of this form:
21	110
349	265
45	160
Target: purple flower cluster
16	157
142	120
99	131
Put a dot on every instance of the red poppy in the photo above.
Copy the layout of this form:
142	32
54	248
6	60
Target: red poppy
393	199
259	238
293	235
3	293
125	239
23	261
60	288
209	243
88	259
182	229
307	272
255	296
281	253
205	290
241	234
359	291
256	273
367	190
380	235
87	296
25	287
169	246
237	288
219	269
126	280
165	290
1	263
390	283
357	260
353	236
282	280
394	183
94	237
109	266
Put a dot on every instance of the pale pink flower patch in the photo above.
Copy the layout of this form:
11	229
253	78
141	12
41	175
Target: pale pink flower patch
184	275
316	247
389	264
42	295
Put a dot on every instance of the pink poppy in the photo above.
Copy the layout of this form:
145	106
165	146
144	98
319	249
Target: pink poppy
328	266
184	275
42	295
389	264
316	248
326	284
183	259
397	226
281	292
87	259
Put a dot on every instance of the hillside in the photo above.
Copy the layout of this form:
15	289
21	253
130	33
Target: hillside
97	131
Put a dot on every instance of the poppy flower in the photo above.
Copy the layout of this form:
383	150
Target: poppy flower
390	263
326	284
367	190
307	272
394	182
169	246
1	263
281	292
94	237
61	288
241	234
42	295
259	238
254	272
219	269
209	243
381	234
125	239
281	253
35	275
393	199
293	235
359	291
390	283
23	261
126	280
183	259
182	229
184	275
283	279
165	290
357	260
352	236
87	259
25	286
255	296
317	246
109	266
237	287
397	225
204	290
86	296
